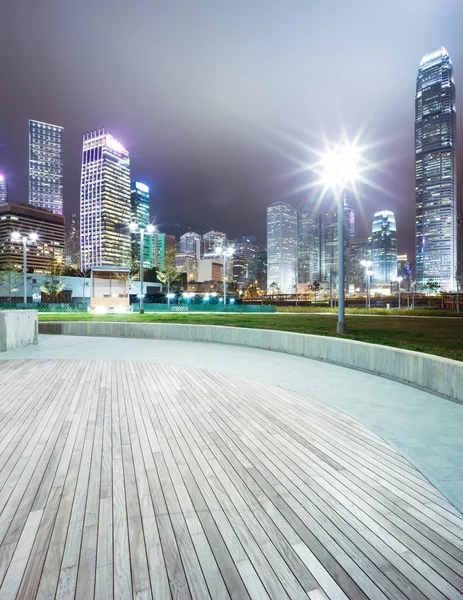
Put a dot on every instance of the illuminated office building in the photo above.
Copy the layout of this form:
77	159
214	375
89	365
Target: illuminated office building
384	247
3	190
435	171
282	248
105	207
309	242
188	243
140	214
46	166
24	219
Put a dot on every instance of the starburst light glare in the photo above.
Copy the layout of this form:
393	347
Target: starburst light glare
340	166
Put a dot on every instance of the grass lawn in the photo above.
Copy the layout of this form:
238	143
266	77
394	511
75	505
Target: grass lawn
443	337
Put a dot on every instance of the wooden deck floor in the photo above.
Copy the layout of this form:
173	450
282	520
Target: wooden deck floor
129	479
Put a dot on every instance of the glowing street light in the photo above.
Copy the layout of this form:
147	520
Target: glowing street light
149	230
225	253
368	273
31	238
340	172
399	281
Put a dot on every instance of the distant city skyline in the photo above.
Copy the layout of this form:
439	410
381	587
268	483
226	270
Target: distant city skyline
225	124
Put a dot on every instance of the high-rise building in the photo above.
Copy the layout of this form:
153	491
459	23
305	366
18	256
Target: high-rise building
435	171
384	247
189	242
3	189
46	166
403	266
105	209
328	238
215	238
140	214
262	269
309	247
282	263
72	242
245	260
26	219
360	250
187	263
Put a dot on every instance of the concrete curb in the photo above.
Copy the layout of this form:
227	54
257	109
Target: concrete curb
432	373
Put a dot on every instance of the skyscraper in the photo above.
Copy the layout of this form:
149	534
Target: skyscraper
245	260
72	243
309	243
104	201
3	189
140	214
384	247
46	166
188	242
328	237
435	171
215	238
282	263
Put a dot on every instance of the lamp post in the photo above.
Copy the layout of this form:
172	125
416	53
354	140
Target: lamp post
224	252
399	281
149	230
340	170
368	273
31	238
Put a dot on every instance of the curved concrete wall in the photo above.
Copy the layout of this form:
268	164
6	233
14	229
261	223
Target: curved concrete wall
17	328
437	375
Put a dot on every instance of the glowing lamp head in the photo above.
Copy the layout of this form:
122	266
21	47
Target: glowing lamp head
150	228
219	250
15	236
2	178
230	251
366	263
399	278
340	166
34	237
133	227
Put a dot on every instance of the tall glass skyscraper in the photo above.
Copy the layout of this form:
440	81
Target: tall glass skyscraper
384	247
140	209
46	166
105	208
282	250
309	263
3	189
435	171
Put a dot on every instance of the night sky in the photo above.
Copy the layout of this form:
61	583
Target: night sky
220	103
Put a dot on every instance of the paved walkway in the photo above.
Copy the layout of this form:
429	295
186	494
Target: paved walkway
425	428
135	479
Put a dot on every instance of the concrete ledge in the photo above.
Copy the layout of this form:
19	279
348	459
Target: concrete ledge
18	328
437	375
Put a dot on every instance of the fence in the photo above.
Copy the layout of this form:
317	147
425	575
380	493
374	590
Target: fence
68	307
61	307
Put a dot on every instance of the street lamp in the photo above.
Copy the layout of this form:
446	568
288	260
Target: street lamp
399	281
224	252
149	230
340	170
31	238
368	273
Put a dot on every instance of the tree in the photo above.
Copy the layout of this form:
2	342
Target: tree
84	273
53	284
316	288
170	273
10	277
274	288
432	287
